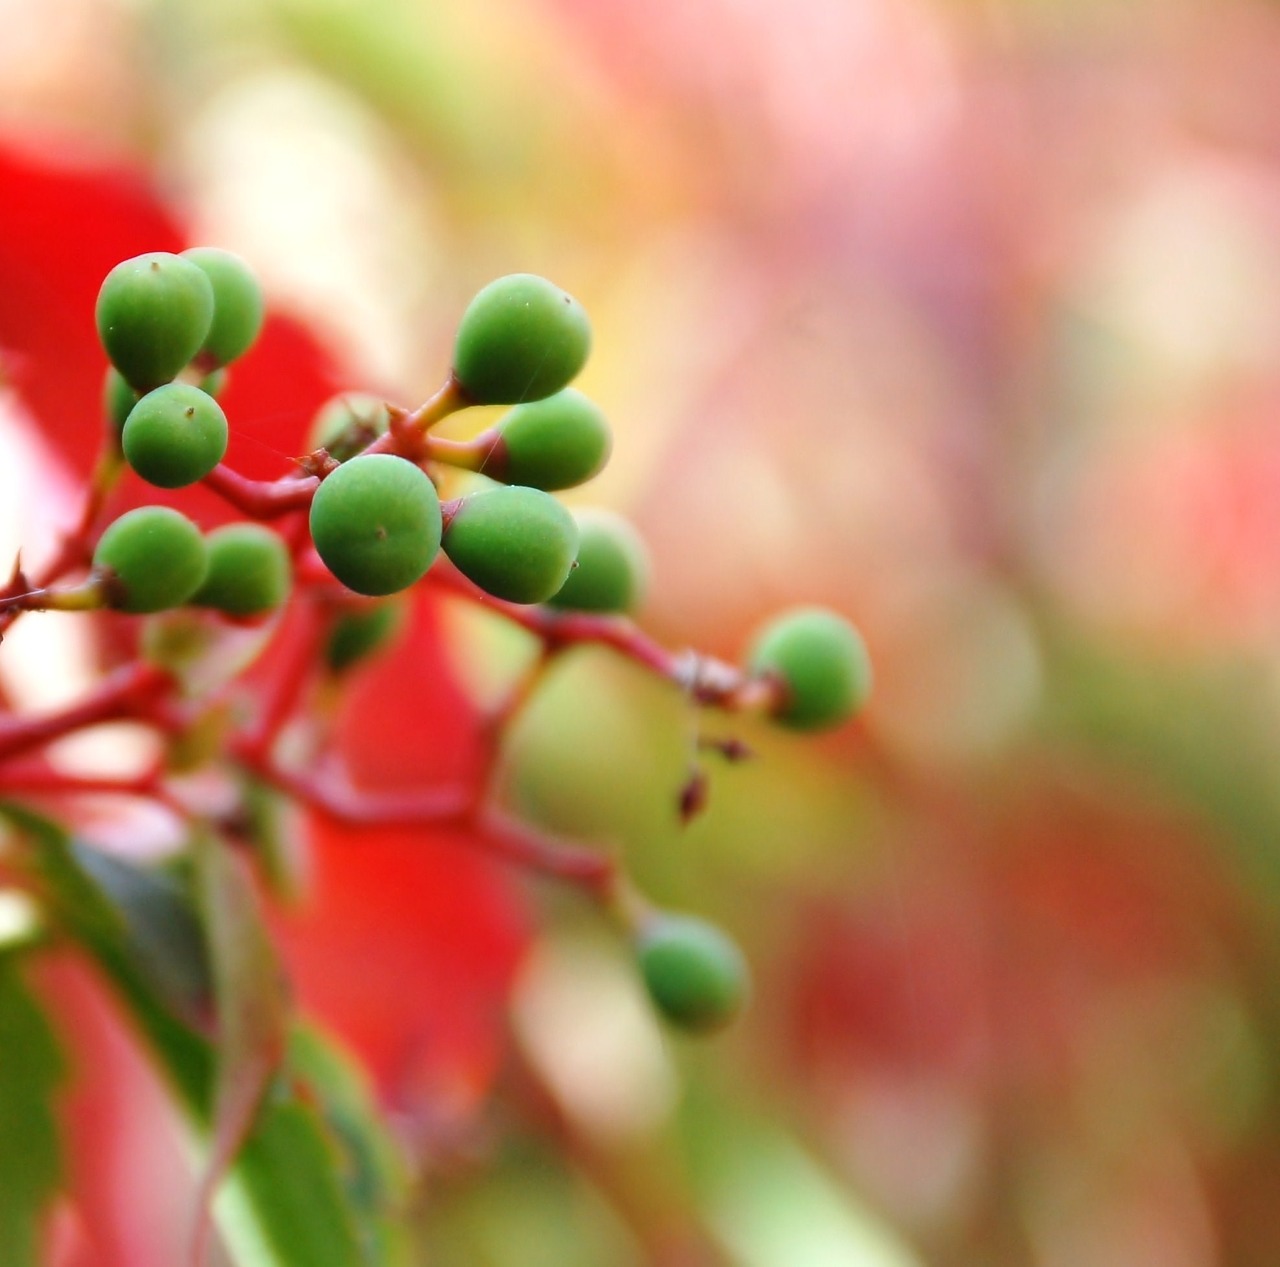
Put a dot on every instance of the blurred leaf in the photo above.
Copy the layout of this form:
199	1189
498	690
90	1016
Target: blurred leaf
30	1163
771	1205
160	928
283	1204
251	1011
1208	735
372	1169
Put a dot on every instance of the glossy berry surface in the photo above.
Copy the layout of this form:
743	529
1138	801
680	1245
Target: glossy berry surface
822	663
362	632
612	570
347	424
238	305
153	313
521	338
152	558
175	435
514	543
694	973
249	571
558	442
375	522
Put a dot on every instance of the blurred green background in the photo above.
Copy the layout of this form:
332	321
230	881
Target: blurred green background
963	318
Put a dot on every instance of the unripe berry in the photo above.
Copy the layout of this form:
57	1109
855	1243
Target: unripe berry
238	306
175	435
347	424
521	338
514	543
118	399
361	632
695	974
375	522
820	661
558	442
153	314
151	559
249	571
613	566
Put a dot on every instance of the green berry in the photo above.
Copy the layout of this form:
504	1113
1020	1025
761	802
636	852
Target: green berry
514	543
238	306
557	442
822	663
118	399
348	424
521	338
249	571
214	384
375	522
151	559
175	435
361	632
694	973
153	314
612	568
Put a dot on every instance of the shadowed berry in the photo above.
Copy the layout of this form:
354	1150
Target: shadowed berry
152	558
237	304
558	442
249	571
347	424
514	543
613	566
695	974
361	632
521	338
153	313
820	660
175	435
375	522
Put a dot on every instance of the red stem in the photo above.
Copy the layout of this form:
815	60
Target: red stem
332	794
262	499
128	692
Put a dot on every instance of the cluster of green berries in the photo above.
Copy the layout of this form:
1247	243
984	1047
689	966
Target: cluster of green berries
171	324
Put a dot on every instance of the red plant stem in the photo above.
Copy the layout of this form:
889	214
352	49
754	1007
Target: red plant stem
262	499
280	698
707	680
330	793
39	777
128	692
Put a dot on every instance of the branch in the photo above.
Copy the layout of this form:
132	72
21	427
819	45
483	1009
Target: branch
127	693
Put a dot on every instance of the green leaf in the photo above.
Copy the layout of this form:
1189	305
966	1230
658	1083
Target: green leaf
283	1203
31	1068
251	1012
372	1167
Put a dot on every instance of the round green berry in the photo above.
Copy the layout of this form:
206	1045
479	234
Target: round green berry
361	632
521	338
375	522
514	543
821	662
118	399
153	314
175	435
694	973
238	306
557	442
249	571
612	569
348	424
151	559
